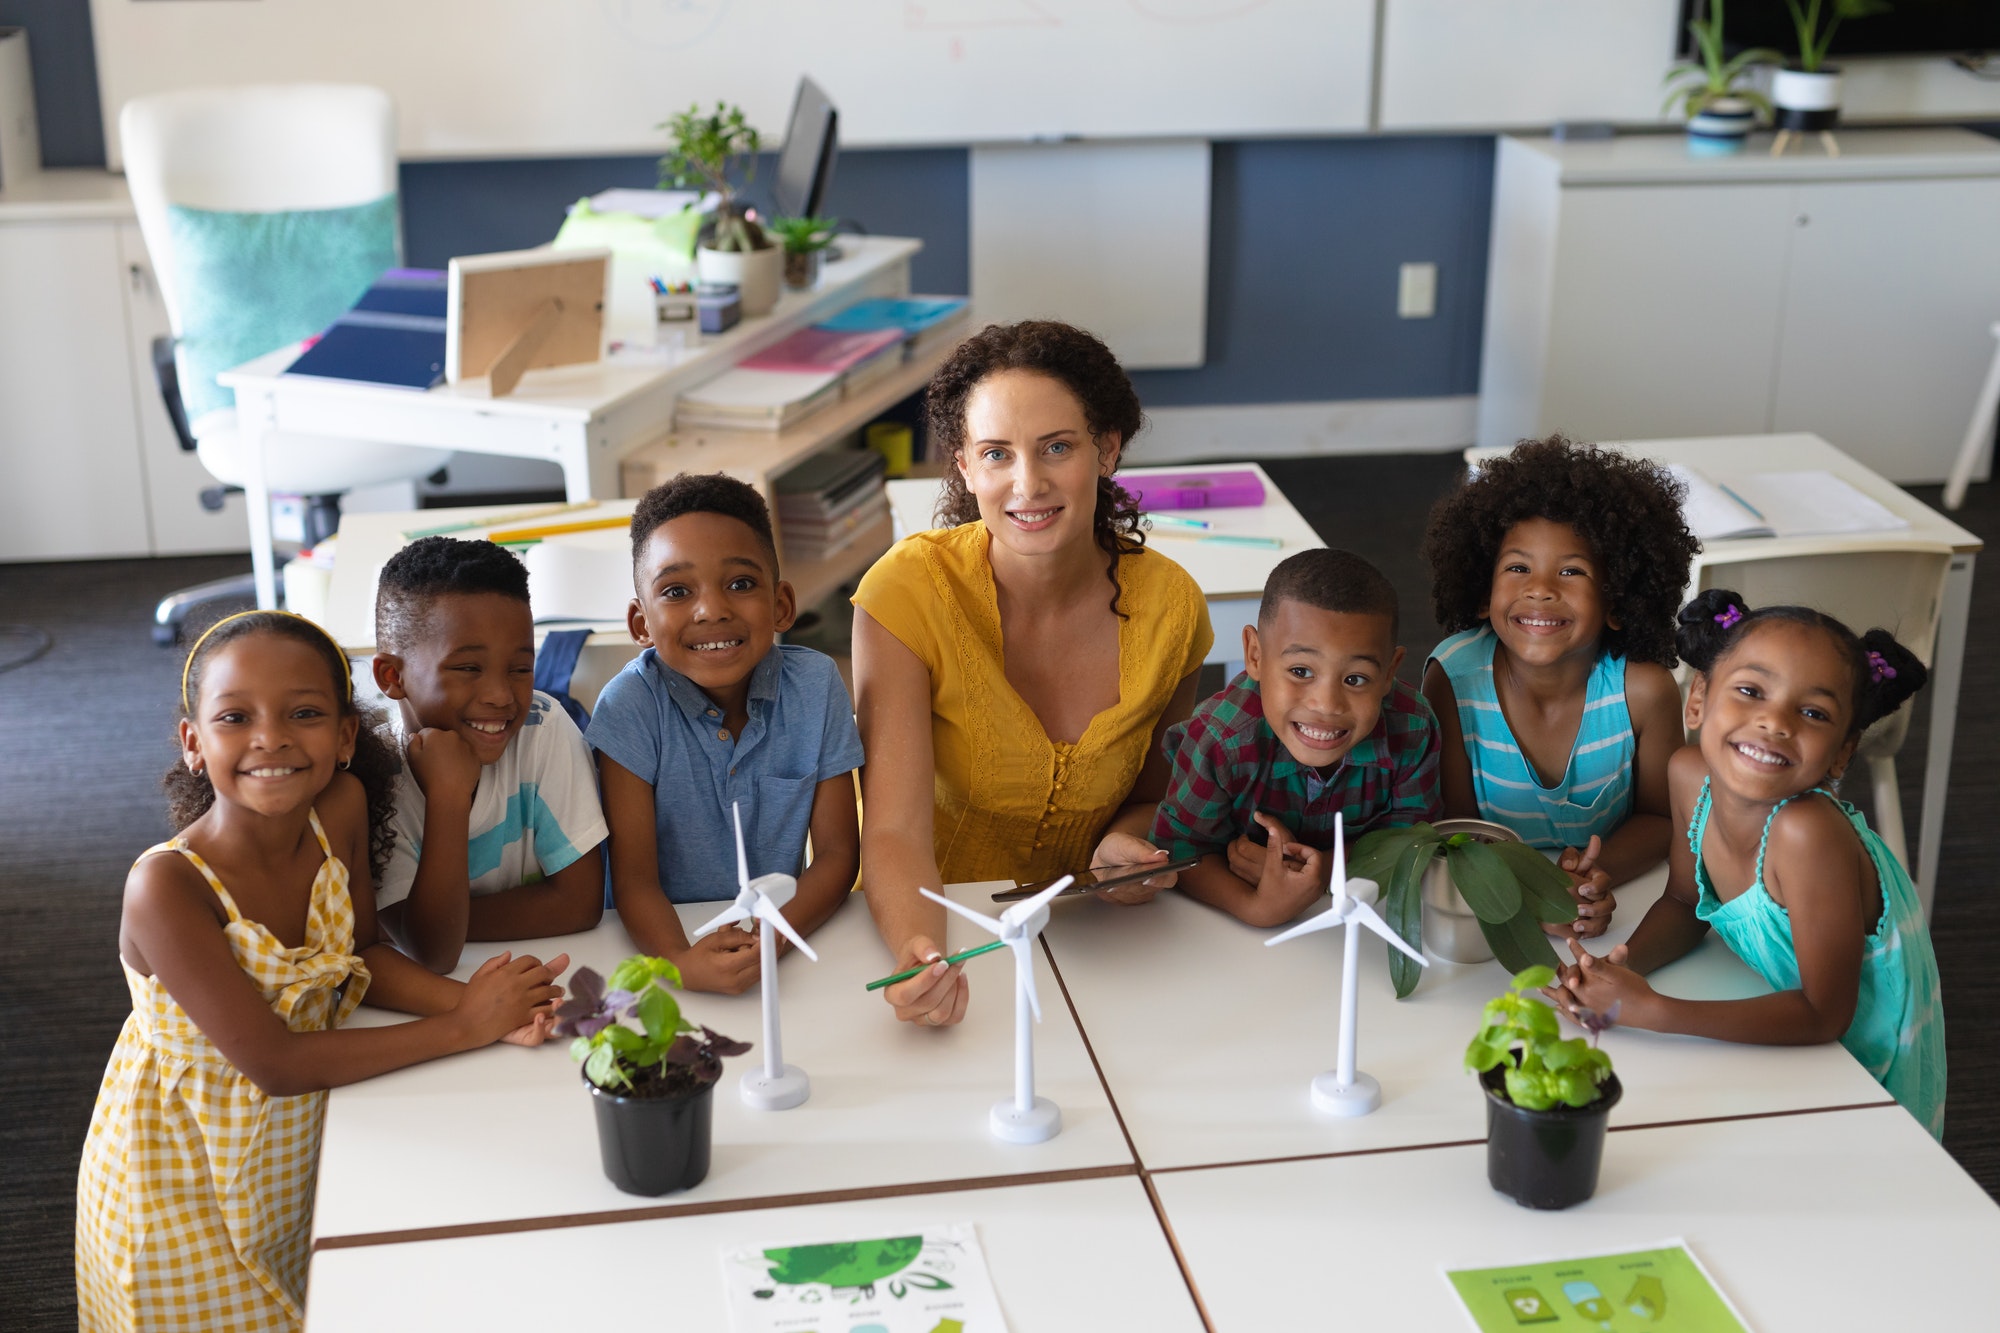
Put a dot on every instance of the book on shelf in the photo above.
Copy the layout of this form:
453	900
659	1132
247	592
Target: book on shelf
394	335
741	399
922	320
807	539
819	349
829	483
1778	504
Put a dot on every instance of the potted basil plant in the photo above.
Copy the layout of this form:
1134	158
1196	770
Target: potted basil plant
805	241
717	151
1806	91
1711	88
650	1072
1547	1097
1466	890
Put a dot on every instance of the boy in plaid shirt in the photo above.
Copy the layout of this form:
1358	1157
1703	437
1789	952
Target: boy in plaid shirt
1317	728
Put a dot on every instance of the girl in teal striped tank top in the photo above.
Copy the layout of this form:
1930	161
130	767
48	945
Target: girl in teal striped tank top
1791	877
1560	567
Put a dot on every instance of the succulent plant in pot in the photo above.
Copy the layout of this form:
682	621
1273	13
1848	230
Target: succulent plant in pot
717	151
1805	91
804	241
650	1071
1510	890
1711	88
1548	1097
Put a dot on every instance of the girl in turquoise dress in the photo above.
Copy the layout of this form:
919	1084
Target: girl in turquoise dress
1791	876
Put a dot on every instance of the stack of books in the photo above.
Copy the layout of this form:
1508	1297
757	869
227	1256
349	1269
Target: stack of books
923	321
829	501
743	399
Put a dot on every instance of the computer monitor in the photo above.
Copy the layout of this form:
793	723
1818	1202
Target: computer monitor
805	167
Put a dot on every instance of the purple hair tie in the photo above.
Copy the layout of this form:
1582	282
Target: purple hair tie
1879	668
1728	616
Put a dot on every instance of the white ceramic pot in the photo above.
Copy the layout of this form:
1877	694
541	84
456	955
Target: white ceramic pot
1720	127
1806	102
1451	931
758	275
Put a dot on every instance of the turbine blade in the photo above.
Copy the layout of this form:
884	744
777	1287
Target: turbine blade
1324	921
727	916
1021	911
1022	948
1340	853
768	913
742	861
965	912
1367	916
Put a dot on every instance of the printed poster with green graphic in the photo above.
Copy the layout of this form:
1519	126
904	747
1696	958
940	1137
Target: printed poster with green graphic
1663	1290
933	1281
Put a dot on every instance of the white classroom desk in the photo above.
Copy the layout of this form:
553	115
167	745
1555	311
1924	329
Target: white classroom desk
505	1134
1845	1220
1076	1254
1929	530
585	418
1231	577
1209	1039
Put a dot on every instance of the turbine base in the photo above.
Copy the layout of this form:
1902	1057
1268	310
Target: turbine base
1038	1124
761	1092
1333	1097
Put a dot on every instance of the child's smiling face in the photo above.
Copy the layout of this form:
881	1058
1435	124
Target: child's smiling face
1775	712
1322	675
709	600
471	670
267	727
1546	603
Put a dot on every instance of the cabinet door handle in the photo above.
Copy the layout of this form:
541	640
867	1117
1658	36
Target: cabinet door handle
138	273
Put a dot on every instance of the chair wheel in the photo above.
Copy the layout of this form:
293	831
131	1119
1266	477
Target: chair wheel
166	635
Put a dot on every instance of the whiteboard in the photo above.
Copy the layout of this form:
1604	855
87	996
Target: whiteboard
573	77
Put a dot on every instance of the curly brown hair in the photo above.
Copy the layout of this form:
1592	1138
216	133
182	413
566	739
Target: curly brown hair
1086	367
377	759
1627	509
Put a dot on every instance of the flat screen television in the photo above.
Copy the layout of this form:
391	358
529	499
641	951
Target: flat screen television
1910	27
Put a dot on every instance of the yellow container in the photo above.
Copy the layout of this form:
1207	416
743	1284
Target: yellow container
892	440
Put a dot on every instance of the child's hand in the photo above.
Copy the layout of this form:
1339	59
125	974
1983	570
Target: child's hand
1293	877
444	766
1591	887
504	995
727	962
543	1025
1599	983
934	997
1120	850
1246	860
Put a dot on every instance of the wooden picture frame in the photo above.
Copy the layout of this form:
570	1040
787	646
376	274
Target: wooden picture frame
519	310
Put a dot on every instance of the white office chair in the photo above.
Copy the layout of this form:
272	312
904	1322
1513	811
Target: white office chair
1899	587
1978	435
272	148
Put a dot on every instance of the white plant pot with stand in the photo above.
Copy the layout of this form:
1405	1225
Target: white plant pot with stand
1806	102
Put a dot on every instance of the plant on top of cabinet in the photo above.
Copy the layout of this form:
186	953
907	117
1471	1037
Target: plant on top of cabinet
717	151
1806	91
1711	91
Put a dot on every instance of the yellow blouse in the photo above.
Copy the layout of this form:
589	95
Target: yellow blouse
1010	803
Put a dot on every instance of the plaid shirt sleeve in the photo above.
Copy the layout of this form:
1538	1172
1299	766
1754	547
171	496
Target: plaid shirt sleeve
1414	749
1196	816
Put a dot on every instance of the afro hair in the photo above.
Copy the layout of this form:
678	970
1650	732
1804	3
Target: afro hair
433	567
702	493
1627	510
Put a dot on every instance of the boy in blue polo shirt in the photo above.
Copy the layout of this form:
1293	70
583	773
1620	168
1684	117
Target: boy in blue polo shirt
714	712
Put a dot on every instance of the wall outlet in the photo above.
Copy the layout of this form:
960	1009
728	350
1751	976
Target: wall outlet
1416	291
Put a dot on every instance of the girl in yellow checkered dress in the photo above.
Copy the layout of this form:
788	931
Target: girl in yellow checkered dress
239	941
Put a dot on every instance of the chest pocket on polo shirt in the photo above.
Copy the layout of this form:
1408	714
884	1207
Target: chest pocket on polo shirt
782	804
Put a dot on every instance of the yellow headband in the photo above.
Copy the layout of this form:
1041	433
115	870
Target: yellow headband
346	678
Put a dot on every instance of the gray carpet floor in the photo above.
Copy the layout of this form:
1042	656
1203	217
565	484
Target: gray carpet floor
86	731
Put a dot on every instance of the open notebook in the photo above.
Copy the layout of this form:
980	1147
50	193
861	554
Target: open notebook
1778	504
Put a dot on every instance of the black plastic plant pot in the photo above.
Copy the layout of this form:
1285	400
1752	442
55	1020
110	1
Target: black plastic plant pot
1545	1159
654	1145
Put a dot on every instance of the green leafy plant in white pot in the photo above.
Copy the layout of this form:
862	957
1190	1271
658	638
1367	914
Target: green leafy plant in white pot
1805	91
717	151
1712	89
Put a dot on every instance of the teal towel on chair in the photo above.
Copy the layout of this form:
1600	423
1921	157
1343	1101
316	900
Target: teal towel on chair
253	282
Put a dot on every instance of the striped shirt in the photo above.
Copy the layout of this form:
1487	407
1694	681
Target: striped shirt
1594	795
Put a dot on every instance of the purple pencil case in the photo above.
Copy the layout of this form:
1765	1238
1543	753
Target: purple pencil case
1196	490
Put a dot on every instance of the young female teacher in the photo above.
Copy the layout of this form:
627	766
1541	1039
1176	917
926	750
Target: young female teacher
1016	669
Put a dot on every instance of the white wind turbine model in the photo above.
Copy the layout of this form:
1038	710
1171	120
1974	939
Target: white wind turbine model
1026	1118
1342	1090
777	1086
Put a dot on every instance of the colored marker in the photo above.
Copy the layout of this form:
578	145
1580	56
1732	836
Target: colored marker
1229	539
1176	521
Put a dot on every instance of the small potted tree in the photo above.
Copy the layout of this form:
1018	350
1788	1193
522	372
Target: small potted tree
1466	890
1547	1098
804	241
1711	90
651	1074
718	151
1805	91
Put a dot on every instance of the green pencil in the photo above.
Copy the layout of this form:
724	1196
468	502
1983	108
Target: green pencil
955	958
